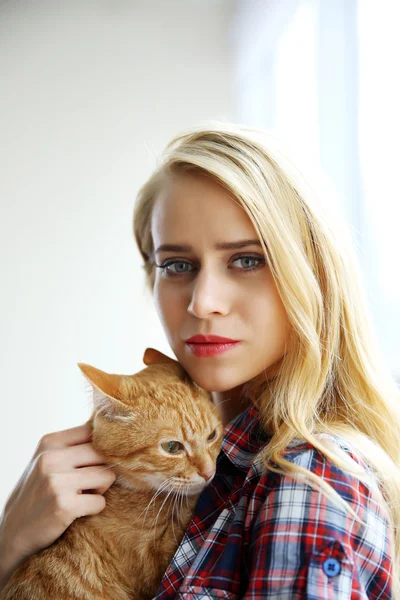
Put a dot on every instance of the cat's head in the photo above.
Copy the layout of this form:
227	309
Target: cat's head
156	427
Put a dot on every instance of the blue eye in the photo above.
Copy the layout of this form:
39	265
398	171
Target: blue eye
181	270
175	262
248	258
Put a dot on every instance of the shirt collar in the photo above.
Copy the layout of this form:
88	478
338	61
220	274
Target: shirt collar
244	437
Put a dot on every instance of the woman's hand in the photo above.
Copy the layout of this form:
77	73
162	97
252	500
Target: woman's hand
50	495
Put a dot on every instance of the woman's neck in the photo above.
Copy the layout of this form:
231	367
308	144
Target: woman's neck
230	403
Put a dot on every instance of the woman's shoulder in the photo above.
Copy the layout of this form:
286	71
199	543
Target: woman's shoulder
342	448
324	488
343	467
293	517
301	451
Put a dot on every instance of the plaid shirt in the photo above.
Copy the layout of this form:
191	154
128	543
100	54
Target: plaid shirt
259	535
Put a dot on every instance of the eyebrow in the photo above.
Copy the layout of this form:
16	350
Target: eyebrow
218	246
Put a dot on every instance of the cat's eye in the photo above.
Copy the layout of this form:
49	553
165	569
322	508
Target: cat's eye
171	447
212	436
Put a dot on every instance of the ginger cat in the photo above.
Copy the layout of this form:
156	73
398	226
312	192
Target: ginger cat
161	434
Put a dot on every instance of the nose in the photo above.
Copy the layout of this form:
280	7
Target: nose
208	295
207	474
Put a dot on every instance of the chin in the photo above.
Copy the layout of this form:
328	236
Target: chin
211	375
212	382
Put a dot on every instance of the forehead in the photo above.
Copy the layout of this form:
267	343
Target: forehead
193	206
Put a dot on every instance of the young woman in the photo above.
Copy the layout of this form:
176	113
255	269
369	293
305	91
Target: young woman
306	499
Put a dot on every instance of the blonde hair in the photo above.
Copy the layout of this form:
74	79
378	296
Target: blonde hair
333	378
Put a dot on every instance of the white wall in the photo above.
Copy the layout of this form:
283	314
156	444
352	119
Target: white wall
90	91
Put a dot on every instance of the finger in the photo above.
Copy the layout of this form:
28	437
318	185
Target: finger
83	456
65	460
89	504
90	478
65	438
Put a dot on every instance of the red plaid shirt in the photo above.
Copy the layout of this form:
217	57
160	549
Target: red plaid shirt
260	535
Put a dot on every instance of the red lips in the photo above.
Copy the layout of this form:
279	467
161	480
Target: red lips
209	339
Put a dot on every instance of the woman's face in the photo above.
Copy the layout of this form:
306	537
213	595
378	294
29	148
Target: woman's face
210	291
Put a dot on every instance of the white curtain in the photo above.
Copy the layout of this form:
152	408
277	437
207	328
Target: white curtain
324	76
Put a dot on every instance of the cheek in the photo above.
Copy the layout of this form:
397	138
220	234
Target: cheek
162	303
269	318
170	310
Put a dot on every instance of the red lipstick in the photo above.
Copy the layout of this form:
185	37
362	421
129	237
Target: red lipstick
209	345
209	339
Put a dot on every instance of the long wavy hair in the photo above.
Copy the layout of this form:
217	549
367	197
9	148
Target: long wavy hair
333	379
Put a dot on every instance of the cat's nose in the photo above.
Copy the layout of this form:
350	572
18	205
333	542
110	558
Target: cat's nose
208	474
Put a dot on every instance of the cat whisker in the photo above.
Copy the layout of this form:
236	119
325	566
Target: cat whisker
173	504
178	505
187	501
223	402
158	514
180	497
215	407
158	491
181	502
152	500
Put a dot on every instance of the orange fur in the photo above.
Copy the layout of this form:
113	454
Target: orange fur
123	552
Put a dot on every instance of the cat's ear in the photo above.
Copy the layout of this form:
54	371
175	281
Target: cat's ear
154	357
107	393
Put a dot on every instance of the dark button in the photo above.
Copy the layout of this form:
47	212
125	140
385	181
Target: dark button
331	567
